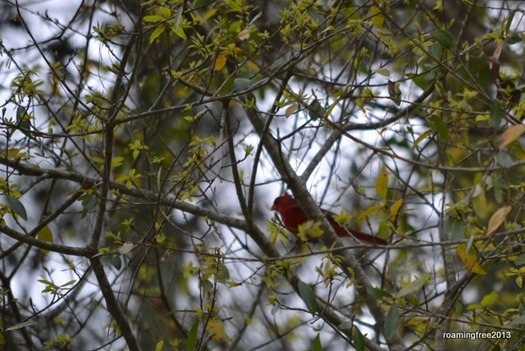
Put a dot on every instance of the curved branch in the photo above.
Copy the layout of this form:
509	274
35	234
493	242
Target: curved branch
113	306
349	265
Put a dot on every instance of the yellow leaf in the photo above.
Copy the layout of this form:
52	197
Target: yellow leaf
164	11
395	207
309	230
511	134
343	218
421	138
469	260
377	17
276	232
291	109
216	329
368	212
160	345
497	219
153	18
13	153
220	62
479	201
45	234
382	184
252	67
439	6
117	161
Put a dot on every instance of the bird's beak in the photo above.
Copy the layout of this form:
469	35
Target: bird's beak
274	208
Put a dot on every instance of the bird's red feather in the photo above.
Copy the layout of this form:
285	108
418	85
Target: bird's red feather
293	216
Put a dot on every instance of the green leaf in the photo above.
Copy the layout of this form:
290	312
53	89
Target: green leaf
206	285
513	39
191	341
248	150
241	84
180	33
444	38
307	293
277	64
436	50
359	339
68	283
383	71
454	229
164	11
416	285
224	274
17	207
421	80
489	300
115	261
377	293
89	201
20	113
503	159
179	29
509	21
316	344
45	282
23	120
21	325
153	18
391	323
156	33
439	126
495	115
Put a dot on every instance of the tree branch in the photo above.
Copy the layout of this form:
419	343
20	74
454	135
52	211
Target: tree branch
349	265
113	305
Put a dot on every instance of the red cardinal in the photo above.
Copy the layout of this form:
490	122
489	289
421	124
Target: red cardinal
293	216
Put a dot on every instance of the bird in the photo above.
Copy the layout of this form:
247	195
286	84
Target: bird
293	216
